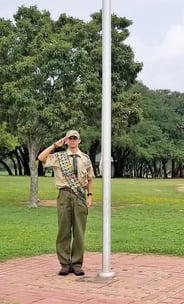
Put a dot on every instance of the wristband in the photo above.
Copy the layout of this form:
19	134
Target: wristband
89	194
55	146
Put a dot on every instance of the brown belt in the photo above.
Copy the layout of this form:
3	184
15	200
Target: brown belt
67	189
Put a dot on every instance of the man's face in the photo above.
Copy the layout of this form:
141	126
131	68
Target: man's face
72	142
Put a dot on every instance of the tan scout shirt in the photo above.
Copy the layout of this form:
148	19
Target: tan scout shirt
85	169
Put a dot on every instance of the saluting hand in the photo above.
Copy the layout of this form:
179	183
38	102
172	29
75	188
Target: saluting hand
60	142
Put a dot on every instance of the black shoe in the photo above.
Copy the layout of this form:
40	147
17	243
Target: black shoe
78	270
64	270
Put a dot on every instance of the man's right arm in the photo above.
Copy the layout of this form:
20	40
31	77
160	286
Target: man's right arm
43	155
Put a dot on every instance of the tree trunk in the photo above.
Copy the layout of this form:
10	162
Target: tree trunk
175	169
33	151
164	162
24	154
117	164
150	170
18	161
181	170
14	164
6	166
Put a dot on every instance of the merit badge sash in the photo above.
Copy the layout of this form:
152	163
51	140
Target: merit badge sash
70	177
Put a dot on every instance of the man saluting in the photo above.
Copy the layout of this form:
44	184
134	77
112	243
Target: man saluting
73	173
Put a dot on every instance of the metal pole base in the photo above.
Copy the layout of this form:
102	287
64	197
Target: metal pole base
106	275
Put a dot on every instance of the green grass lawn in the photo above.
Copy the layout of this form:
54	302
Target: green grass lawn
147	217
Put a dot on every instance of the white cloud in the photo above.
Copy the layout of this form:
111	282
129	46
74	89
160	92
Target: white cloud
173	44
163	61
156	35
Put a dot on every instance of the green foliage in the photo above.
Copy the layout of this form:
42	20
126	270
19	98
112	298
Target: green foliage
42	69
51	81
149	142
50	67
8	142
127	113
158	135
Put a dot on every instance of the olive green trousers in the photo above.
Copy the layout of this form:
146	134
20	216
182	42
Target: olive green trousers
72	217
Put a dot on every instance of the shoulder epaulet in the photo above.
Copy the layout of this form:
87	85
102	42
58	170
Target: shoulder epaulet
86	155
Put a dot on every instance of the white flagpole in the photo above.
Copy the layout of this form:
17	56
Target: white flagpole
106	138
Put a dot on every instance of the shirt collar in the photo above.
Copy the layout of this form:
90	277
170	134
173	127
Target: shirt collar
78	153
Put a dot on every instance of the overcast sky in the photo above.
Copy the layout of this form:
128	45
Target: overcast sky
156	36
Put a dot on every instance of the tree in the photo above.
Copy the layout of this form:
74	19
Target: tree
41	72
50	67
158	138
